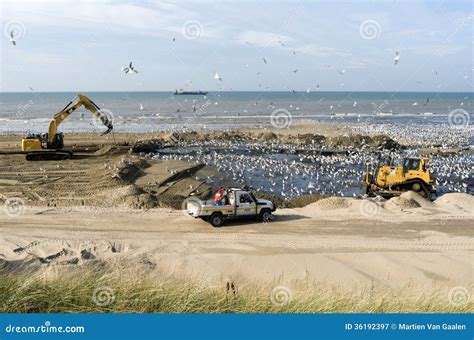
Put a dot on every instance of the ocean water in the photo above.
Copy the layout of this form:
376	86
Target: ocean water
155	111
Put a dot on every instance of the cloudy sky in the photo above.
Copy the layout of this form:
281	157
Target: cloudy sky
252	45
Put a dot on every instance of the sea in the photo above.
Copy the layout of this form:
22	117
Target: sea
157	111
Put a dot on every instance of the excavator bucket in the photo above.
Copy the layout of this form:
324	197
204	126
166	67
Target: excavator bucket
109	129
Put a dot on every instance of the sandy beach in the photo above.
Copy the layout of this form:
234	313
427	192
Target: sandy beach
113	207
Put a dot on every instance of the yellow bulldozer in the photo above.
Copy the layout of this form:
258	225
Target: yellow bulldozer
387	179
49	146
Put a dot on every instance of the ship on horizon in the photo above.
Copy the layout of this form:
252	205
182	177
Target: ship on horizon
183	92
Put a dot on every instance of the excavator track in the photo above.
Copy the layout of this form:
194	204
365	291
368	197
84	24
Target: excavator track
54	155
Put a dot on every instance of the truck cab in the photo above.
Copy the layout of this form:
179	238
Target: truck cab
236	203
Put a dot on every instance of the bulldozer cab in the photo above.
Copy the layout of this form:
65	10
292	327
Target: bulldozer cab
411	164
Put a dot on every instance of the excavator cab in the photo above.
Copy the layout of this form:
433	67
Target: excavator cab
49	146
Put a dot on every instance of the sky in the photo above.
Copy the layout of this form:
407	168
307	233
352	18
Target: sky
252	45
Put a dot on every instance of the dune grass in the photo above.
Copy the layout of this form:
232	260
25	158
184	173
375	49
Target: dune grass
97	291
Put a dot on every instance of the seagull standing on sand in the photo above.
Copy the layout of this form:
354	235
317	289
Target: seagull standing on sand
396	59
129	69
12	38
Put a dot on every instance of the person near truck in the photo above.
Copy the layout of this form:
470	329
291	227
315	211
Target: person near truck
218	197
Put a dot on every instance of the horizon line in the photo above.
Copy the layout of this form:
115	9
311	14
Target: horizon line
239	91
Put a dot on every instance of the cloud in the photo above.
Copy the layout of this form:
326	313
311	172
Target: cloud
262	39
320	51
154	18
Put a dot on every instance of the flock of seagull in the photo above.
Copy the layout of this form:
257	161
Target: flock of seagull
302	170
265	169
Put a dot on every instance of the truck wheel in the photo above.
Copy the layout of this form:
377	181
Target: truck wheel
265	215
216	220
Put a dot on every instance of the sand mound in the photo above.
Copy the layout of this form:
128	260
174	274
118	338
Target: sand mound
403	203
267	136
456	202
142	201
385	142
129	196
358	141
307	138
414	198
304	200
129	170
332	203
407	200
109	150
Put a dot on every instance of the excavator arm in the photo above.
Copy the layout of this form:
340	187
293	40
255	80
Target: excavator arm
79	101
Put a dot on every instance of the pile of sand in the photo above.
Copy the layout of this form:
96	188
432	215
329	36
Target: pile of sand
109	150
129	196
358	141
268	136
308	138
332	203
457	202
407	200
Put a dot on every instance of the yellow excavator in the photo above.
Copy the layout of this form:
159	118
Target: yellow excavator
49	146
388	179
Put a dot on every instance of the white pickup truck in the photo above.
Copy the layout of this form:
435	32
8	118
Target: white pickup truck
237	203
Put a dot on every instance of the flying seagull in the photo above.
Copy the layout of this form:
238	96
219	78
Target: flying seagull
216	76
342	71
129	69
264	60
396	59
294	71
12	38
